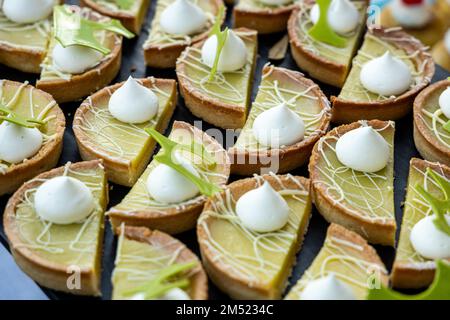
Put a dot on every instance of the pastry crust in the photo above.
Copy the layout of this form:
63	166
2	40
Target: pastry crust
180	218
212	110
426	142
246	162
23	59
415	275
165	56
441	56
120	170
379	232
82	85
46	158
198	281
129	21
51	274
346	111
264	20
235	286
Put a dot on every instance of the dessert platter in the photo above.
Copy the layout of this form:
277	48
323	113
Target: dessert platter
195	149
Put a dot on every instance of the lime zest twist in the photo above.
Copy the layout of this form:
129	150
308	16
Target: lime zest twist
72	29
221	39
168	147
438	290
322	31
161	283
10	116
438	206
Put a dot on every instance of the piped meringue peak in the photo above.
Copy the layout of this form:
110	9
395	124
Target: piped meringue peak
411	15
18	143
27	11
278	126
75	59
428	241
133	103
183	17
386	75
363	149
263	209
444	102
343	16
327	288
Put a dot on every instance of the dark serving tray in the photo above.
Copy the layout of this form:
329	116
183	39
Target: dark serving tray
15	285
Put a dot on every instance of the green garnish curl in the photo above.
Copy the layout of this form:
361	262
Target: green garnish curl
72	29
322	31
221	39
162	282
165	157
10	116
438	206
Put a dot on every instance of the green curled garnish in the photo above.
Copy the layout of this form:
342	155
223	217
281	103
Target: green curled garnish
221	39
12	117
322	31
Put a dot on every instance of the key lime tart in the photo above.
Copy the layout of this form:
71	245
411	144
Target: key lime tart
352	175
249	234
131	13
388	72
54	224
325	47
425	232
344	269
151	265
176	25
83	56
432	122
290	113
170	194
216	75
110	125
31	133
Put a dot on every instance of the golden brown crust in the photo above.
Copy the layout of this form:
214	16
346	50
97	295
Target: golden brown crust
47	273
179	219
426	142
264	20
379	232
246	162
165	56
22	59
45	159
198	281
236	286
415	275
441	56
214	111
118	170
346	111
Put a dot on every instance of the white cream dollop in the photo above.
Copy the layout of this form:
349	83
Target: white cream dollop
411	15
428	240
343	16
18	143
444	102
63	200
262	209
183	17
327	288
278	126
75	59
166	185
447	41
386	75
133	103
363	149
172	294
27	11
232	57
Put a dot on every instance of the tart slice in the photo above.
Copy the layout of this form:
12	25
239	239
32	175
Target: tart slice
153	265
431	122
219	95
109	125
391	68
130	13
176	25
352	175
165	199
54	224
345	268
420	242
323	61
250	233
31	133
289	115
83	56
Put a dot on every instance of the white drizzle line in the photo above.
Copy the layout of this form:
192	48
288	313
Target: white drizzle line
437	119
